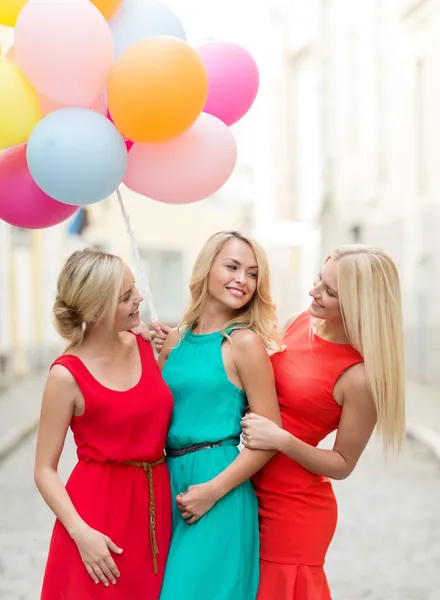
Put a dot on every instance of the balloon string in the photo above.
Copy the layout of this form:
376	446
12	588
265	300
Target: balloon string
140	269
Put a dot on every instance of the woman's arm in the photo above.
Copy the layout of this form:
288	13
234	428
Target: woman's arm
56	413
256	374
60	398
170	341
357	423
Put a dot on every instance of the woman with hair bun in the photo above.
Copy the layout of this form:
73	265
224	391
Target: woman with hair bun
113	523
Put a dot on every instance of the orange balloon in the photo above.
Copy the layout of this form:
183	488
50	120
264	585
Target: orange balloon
107	7
157	89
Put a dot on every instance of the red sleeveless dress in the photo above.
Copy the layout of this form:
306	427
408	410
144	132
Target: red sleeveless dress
297	509
111	496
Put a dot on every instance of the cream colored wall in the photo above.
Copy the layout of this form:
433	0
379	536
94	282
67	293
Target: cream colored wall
383	98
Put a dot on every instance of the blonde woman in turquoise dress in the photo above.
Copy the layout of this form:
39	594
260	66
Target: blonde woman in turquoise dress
217	365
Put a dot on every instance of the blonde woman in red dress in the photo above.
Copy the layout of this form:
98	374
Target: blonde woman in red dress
343	370
113	525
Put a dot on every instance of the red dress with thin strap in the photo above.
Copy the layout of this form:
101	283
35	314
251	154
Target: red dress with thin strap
113	497
297	509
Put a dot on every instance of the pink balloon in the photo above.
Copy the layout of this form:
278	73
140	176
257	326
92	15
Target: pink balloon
233	80
65	49
48	106
185	169
22	203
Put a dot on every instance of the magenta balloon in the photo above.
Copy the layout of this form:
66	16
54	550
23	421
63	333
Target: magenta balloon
186	169
233	80
22	203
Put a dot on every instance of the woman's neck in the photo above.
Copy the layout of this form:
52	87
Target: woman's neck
212	319
332	331
102	342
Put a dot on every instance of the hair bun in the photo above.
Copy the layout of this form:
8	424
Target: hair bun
68	321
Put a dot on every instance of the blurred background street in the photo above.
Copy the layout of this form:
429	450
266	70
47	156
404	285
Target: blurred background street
386	546
341	146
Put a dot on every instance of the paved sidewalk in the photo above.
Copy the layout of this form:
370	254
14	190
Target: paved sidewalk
423	415
20	408
19	411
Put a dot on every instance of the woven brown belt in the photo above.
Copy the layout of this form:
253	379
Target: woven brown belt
148	468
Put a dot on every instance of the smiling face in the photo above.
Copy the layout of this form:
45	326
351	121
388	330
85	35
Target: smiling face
127	313
232	280
325	300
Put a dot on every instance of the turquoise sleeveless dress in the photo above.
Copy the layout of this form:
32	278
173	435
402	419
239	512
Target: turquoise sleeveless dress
217	558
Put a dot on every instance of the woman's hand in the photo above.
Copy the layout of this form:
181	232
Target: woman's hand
156	333
260	433
160	334
94	548
196	501
143	330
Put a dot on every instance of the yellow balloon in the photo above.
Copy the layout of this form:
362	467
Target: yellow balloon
20	108
9	11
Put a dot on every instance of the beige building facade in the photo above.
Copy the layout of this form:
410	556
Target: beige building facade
379	92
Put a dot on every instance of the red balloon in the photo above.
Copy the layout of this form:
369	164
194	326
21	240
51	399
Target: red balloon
22	203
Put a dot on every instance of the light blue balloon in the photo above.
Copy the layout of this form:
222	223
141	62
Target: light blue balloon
140	19
76	156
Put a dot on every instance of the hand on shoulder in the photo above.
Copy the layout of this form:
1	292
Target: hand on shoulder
156	333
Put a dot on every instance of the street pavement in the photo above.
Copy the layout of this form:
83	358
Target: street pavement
387	546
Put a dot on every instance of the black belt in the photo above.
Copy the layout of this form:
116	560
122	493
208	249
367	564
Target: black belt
174	452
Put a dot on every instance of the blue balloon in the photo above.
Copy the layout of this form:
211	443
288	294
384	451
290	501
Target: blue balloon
76	156
140	19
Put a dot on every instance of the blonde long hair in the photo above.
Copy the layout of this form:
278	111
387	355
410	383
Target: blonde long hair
259	313
369	296
88	292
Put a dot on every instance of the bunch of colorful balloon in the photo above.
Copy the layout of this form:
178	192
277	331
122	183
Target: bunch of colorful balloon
94	93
